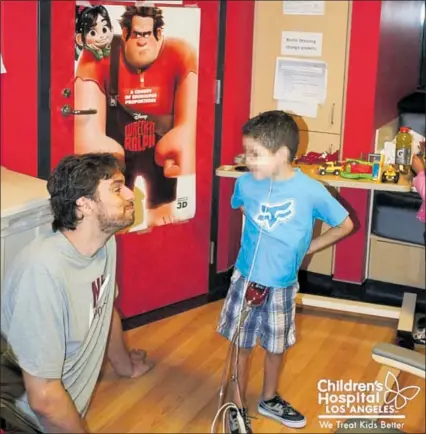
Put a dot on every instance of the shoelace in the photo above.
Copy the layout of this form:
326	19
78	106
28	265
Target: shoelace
285	408
234	423
247	418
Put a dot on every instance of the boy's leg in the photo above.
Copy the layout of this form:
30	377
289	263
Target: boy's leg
278	333
239	386
273	363
247	330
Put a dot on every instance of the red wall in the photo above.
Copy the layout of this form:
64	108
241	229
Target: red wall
383	68
349	262
18	87
399	59
237	94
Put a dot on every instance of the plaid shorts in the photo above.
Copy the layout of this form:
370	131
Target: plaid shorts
273	322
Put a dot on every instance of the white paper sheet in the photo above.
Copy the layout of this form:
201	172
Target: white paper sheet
301	44
2	68
309	7
299	108
157	2
300	80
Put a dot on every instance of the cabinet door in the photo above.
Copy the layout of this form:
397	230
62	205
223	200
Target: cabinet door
321	262
270	22
311	141
397	262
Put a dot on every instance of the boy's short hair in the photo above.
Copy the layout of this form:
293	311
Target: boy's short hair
273	130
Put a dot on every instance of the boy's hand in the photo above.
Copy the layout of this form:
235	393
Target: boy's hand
331	236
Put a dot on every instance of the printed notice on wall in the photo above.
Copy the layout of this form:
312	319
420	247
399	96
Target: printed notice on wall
2	68
151	3
309	7
301	44
299	108
300	80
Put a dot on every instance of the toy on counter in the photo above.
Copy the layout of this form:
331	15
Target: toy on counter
357	169
330	168
317	158
391	174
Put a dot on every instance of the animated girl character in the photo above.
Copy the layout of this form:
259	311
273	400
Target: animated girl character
93	31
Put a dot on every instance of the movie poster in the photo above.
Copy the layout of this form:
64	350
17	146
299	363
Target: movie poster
137	66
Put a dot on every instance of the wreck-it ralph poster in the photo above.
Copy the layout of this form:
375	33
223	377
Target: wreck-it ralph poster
137	66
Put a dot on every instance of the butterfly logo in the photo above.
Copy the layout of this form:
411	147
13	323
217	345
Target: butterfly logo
398	397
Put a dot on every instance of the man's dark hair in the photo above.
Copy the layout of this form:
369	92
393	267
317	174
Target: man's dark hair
142	11
74	177
273	130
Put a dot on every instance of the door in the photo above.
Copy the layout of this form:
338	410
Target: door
332	28
171	262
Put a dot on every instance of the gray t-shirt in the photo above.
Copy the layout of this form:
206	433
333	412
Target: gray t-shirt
56	313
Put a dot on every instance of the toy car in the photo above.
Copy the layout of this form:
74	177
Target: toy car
390	175
330	168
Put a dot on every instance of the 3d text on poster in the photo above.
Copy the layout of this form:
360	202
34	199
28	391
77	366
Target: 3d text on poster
2	68
138	67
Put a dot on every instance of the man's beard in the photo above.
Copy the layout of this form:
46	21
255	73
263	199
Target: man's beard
110	225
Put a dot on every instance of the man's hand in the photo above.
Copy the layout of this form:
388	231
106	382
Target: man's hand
130	364
331	236
139	363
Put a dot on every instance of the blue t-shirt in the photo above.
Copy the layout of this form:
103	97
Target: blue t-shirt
287	220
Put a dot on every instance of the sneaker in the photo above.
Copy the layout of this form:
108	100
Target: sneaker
234	424
280	410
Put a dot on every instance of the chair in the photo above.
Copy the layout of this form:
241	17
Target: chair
11	388
394	360
12	419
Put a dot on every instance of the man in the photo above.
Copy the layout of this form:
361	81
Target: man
58	311
145	94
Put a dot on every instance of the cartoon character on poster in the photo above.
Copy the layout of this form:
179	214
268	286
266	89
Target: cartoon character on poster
93	31
137	66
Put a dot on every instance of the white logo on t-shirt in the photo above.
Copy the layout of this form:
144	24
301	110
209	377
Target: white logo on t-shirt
272	215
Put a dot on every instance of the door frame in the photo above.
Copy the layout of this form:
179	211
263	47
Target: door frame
215	278
44	31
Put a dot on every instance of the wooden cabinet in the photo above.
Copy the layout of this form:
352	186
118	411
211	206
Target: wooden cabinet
324	132
270	22
321	262
397	262
25	213
318	142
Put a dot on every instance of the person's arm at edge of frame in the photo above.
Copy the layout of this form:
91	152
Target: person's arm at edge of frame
52	404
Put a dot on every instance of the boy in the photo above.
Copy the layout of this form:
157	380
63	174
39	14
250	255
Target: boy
280	205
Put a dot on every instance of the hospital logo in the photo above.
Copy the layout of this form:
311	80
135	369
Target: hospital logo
363	403
272	215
